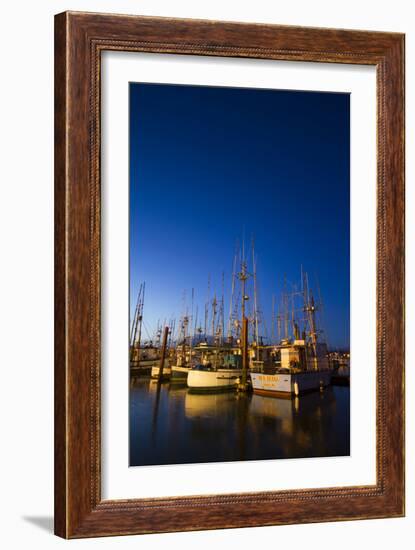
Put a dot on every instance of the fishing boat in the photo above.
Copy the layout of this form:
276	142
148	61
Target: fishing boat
143	359
205	378
303	364
289	384
219	369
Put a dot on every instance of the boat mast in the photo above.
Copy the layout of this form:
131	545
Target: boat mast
135	318
231	301
279	325
313	332
222	310
255	300
195	329
136	341
183	328
157	336
140	319
285	299
310	310
190	328
214	304
293	324
207	309
243	277
172	326
184	335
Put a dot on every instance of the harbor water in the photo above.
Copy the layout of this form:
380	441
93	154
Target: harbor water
170	425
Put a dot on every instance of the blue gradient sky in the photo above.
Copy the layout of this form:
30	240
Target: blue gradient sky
208	164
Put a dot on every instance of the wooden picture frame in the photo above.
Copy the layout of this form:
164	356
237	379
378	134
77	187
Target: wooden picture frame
79	40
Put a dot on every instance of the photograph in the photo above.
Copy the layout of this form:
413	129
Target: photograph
239	228
208	251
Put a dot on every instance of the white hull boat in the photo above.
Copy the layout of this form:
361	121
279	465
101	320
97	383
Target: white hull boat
213	380
283	384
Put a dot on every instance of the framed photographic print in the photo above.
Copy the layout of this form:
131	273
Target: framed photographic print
229	277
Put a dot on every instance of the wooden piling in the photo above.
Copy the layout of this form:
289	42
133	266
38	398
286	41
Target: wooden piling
163	353
245	359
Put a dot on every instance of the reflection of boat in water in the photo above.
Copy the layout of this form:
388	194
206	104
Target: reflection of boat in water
275	409
308	405
208	404
207	378
299	424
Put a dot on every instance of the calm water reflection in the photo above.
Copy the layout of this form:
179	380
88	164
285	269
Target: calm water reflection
169	425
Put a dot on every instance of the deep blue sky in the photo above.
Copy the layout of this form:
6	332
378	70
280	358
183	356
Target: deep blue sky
208	164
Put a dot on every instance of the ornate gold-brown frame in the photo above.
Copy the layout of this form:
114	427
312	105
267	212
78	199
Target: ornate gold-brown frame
79	40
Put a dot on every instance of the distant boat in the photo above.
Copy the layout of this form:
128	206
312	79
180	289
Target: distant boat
143	359
340	363
341	376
